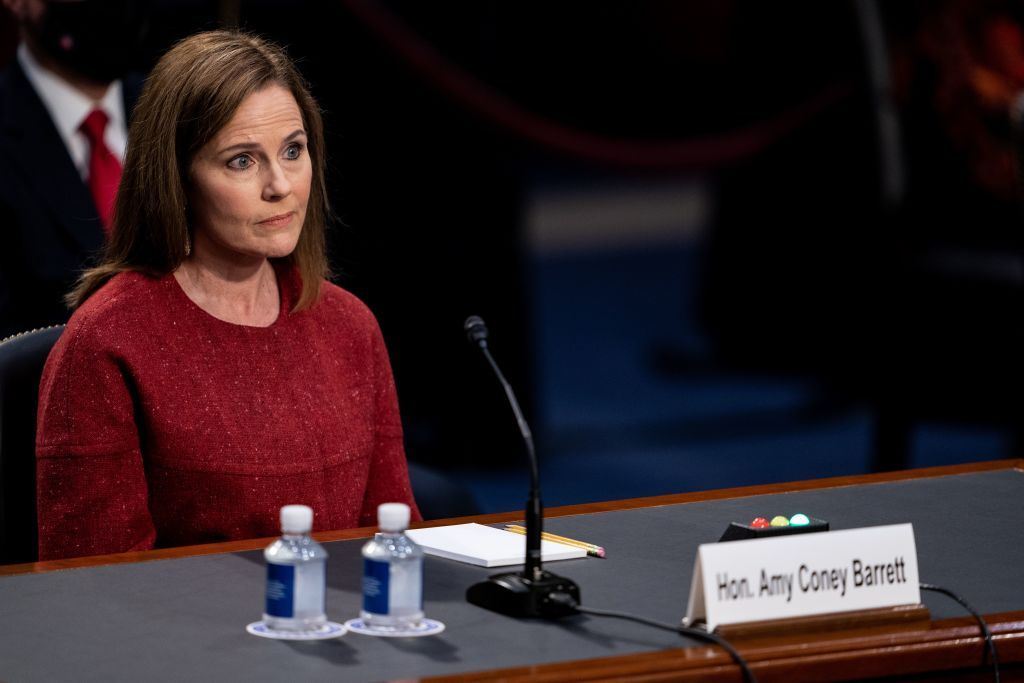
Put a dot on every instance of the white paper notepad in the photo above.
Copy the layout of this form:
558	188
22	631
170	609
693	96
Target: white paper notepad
485	546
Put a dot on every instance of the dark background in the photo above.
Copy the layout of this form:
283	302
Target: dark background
841	297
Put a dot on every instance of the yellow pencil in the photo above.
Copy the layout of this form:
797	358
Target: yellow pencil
594	550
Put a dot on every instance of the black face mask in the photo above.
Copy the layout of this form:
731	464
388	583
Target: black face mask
98	39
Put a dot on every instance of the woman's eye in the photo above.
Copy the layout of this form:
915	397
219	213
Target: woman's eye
293	151
241	162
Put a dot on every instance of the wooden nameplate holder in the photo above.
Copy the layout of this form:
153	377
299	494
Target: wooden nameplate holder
904	617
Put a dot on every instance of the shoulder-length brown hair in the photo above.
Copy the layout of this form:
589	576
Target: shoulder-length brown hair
192	93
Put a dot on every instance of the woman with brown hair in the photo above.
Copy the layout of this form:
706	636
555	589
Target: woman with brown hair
210	374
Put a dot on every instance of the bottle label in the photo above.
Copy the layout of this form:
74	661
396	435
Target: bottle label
280	590
376	577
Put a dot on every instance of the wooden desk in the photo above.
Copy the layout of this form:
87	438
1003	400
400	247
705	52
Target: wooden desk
944	649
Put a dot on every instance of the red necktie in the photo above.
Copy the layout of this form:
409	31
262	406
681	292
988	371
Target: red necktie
104	168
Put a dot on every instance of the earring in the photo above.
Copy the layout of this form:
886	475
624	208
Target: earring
188	244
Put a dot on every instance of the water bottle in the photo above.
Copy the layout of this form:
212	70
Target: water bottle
392	573
296	574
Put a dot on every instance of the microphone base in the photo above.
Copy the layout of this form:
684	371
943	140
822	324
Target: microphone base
516	595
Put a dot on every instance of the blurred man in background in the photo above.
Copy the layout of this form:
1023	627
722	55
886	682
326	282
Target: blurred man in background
65	104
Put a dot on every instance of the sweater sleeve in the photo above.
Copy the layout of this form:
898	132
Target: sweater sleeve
389	474
90	480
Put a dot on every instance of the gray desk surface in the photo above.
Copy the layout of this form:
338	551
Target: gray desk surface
184	618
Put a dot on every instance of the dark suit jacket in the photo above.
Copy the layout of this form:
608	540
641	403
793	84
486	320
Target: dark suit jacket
49	226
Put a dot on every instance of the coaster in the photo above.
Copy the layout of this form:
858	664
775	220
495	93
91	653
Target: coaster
426	627
325	632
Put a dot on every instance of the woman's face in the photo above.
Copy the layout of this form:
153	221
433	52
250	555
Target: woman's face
250	183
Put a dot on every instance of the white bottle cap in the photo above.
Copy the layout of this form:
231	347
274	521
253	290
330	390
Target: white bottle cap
296	519
393	516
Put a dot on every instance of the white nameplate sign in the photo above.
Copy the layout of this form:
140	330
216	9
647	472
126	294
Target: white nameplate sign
803	575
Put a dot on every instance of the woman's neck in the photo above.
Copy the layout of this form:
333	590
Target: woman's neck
240	294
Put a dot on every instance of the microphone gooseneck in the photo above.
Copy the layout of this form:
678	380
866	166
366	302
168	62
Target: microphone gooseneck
527	593
477	333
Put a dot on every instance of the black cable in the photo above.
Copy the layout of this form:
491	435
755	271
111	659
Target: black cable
986	632
696	633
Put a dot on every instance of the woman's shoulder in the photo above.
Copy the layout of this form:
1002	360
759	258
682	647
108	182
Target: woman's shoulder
338	302
121	303
104	329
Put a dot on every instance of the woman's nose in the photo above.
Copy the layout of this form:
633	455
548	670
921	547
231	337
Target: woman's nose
277	186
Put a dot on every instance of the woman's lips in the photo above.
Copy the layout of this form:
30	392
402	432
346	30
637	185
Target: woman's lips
278	221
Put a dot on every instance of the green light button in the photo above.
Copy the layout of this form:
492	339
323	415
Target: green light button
779	520
799	520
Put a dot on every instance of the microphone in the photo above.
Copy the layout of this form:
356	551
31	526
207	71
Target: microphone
476	331
526	593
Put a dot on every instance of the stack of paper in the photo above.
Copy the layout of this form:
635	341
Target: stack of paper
486	546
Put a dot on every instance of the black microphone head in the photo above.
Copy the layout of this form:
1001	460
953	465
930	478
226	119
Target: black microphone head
475	329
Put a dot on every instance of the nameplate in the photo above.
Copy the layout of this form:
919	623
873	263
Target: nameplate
808	574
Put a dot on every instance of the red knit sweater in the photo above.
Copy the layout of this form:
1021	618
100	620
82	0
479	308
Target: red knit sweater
160	425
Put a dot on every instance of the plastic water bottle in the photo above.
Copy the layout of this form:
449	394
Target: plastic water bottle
392	573
296	574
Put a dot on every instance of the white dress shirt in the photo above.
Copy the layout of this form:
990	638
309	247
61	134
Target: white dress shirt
68	107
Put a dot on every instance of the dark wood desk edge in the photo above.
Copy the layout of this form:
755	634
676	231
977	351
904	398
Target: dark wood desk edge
946	645
788	487
495	518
